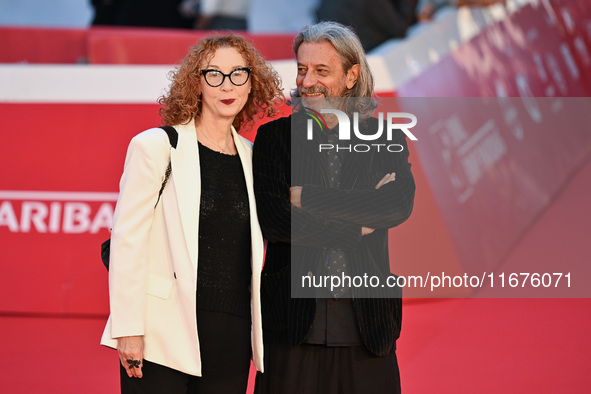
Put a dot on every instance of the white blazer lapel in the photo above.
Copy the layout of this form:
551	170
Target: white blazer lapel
187	181
245	157
245	153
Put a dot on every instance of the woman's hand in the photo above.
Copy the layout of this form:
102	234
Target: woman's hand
131	354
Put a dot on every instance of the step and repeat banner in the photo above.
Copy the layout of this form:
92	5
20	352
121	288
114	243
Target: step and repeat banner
59	182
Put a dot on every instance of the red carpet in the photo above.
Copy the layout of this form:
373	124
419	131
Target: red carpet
496	346
448	346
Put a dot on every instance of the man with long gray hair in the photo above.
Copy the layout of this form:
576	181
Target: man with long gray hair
325	210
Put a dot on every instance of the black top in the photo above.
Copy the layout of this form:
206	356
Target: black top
224	272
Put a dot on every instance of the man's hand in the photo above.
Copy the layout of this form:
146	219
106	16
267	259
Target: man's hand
366	230
386	179
131	354
295	196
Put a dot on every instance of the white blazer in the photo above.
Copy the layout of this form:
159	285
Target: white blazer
153	264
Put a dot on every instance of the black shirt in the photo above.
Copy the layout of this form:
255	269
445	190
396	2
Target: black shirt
224	271
334	321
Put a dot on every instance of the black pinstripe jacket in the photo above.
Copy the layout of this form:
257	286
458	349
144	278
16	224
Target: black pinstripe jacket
329	218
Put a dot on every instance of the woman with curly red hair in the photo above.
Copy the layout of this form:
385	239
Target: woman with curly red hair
186	246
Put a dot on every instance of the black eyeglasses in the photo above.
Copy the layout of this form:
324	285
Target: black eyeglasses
215	78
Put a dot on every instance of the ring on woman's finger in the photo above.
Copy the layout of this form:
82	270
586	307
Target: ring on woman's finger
133	363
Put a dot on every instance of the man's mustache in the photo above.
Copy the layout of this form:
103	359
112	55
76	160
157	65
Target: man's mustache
312	90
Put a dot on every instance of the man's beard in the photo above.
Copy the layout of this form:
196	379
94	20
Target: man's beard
319	102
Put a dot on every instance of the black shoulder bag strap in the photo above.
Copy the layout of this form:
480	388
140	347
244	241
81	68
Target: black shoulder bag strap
173	138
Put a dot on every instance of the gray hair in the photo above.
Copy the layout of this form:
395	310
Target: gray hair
351	52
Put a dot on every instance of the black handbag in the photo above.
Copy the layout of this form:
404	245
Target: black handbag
173	137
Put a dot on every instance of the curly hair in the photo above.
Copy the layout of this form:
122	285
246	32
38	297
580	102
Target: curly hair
183	100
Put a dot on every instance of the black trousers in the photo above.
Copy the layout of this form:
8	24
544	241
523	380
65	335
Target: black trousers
318	369
225	359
